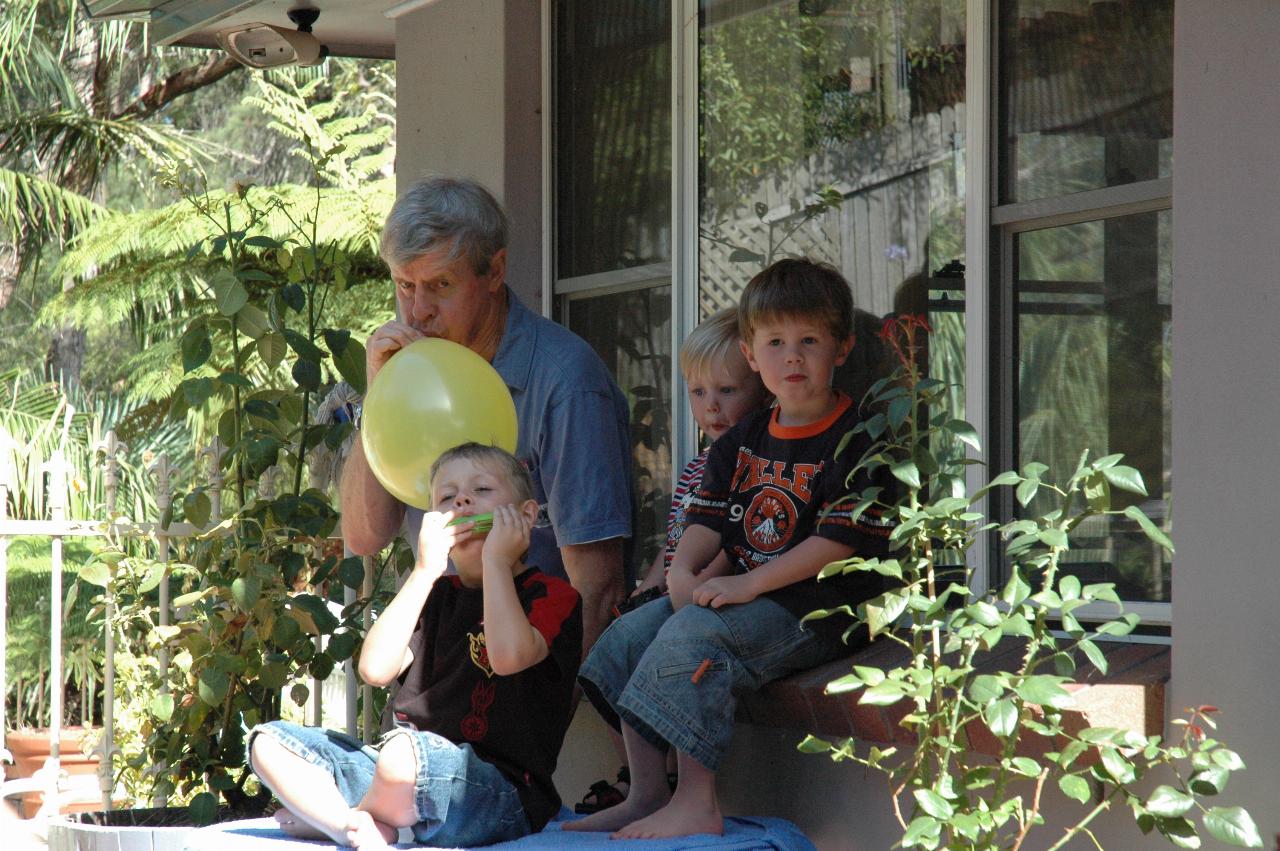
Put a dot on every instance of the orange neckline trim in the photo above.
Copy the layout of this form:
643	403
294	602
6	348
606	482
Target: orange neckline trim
816	427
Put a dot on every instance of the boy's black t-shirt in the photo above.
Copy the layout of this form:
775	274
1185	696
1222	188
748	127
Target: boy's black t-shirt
764	490
517	722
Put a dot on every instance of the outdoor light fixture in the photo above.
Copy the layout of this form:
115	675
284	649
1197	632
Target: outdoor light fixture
261	45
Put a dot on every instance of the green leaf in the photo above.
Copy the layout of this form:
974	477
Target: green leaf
305	349
229	294
351	365
883	611
964	433
1228	759
1234	826
1053	537
203	809
899	410
1001	717
1121	626
933	803
351	571
1180	831
1117	766
1044	690
985	689
213	686
197	391
886	693
1025	765
246	590
812	744
1026	491
197	507
341	645
299	693
1153	531
307	375
252	322
906	472
1069	586
923	830
1095	655
235	379
272	348
1074	787
95	573
1125	478
1209	781
1168	801
292	295
320	614
162	706
196	346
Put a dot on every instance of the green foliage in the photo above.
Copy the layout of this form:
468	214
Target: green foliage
945	795
254	355
27	642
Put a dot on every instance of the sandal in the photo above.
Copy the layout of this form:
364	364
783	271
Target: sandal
602	795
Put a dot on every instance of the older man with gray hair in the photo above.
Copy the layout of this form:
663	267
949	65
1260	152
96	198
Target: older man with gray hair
445	243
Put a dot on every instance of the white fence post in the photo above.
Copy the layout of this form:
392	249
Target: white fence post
57	469
6	472
214	452
111	450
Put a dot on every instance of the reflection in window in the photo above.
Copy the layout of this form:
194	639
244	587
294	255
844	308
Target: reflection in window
631	332
613	134
1093	321
1086	94
834	130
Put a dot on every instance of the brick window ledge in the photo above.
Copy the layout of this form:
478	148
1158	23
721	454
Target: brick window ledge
1129	696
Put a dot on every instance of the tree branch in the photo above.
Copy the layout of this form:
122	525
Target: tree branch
176	85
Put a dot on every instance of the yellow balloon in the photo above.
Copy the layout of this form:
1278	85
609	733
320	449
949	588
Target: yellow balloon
431	396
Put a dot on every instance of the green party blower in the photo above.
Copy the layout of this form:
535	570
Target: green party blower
484	522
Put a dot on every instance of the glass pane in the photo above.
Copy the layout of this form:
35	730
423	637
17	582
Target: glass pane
1093	321
631	331
834	130
1086	93
613	134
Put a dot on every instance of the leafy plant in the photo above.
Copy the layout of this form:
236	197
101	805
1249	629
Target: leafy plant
253	601
944	794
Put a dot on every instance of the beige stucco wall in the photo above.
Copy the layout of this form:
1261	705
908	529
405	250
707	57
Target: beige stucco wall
469	105
1226	382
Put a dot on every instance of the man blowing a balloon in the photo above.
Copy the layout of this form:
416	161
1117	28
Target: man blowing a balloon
486	661
445	243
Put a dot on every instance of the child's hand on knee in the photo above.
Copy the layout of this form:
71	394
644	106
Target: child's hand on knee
725	591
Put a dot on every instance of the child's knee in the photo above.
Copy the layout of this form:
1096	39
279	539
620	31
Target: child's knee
398	761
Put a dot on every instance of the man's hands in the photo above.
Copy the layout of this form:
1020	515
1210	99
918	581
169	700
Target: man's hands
509	537
384	343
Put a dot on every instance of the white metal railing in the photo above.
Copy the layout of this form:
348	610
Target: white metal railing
56	528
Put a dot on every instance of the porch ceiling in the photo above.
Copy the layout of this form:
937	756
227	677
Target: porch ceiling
346	27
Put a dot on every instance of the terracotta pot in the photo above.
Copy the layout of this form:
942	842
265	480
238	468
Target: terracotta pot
30	749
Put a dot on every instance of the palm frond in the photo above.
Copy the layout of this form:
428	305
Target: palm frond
29	202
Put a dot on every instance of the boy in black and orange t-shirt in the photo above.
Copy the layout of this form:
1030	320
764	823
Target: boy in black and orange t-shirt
774	499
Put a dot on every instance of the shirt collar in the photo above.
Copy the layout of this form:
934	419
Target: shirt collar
514	359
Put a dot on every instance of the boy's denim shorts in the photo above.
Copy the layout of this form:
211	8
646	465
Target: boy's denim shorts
461	800
642	669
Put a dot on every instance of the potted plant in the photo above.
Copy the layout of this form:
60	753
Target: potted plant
943	793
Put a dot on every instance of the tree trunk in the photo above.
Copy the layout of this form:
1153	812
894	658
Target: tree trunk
8	272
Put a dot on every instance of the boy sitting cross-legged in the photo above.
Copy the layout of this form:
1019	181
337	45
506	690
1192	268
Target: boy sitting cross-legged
486	661
773	499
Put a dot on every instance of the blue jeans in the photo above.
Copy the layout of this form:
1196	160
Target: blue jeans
642	667
460	799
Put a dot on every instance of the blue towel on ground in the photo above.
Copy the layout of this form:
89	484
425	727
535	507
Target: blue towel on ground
740	834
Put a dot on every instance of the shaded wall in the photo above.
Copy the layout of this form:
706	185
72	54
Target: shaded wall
1226	382
469	104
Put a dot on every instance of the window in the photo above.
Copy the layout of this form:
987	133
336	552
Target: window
612	245
835	130
1085	153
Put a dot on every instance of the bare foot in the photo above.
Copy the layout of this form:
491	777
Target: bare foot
677	818
364	831
634	807
296	827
